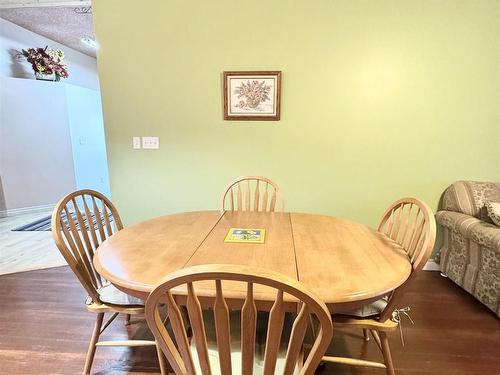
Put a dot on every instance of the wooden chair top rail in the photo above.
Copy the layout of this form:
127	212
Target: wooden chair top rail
179	353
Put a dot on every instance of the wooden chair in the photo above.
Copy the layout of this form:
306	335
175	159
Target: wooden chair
176	346
81	221
410	223
252	193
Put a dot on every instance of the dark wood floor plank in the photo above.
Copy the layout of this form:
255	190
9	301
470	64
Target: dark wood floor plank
45	329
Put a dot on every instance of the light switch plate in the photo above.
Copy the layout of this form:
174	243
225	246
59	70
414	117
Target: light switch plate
150	143
136	142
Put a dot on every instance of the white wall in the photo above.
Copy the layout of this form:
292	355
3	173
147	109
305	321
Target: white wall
82	68
87	138
51	142
36	163
51	133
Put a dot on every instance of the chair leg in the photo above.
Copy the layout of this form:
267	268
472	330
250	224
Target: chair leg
386	352
127	319
92	347
161	360
366	334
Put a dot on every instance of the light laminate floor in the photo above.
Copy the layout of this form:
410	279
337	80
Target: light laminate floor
25	251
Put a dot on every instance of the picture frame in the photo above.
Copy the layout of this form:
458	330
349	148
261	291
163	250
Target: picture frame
252	95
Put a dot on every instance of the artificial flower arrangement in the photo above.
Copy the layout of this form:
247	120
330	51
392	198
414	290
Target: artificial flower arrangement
47	61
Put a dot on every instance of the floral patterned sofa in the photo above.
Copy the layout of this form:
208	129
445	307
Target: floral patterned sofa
470	254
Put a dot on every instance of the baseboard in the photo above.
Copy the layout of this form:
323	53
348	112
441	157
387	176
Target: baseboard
431	265
26	210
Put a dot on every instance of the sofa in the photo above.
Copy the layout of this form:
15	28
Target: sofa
470	252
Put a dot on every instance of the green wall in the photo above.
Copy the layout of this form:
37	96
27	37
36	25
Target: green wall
380	99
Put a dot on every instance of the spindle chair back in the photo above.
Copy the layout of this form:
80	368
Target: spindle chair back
176	347
410	223
81	221
252	193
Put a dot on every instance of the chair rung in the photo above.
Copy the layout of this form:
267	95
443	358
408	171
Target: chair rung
127	343
348	322
353	362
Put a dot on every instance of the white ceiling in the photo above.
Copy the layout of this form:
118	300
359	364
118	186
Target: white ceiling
45	3
59	23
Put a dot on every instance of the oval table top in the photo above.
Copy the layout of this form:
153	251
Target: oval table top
346	264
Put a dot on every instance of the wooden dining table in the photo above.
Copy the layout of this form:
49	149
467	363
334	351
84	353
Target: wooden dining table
345	263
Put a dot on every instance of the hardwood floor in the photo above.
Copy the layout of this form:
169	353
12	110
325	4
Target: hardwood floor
45	329
24	251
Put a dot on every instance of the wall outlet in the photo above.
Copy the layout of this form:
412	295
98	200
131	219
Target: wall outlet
136	142
150	143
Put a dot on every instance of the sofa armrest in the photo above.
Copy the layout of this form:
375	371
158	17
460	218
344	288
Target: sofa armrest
456	221
479	231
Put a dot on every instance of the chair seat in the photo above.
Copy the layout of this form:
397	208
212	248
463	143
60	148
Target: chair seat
109	294
260	341
368	310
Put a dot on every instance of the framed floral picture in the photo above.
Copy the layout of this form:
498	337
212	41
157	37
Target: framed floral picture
252	95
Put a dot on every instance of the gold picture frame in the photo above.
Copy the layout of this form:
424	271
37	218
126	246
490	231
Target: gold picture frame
252	95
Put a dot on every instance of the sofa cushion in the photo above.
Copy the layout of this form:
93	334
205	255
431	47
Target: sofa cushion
494	212
470	197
